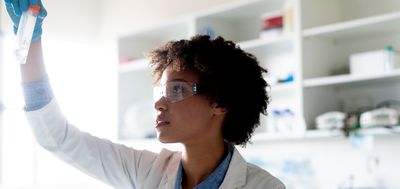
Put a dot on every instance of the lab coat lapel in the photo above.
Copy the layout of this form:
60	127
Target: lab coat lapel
237	172
168	180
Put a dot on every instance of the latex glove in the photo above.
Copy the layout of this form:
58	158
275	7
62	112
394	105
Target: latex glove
15	9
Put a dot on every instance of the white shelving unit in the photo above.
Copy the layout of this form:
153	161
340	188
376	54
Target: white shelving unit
322	134
260	42
373	25
332	31
349	79
325	34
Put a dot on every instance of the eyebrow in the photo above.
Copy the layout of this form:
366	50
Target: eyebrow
179	80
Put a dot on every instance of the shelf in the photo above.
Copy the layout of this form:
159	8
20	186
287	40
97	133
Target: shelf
322	134
263	137
379	131
371	26
239	9
236	21
255	43
134	46
282	87
135	65
311	134
345	79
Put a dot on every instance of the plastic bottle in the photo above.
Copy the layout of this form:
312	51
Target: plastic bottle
288	17
282	121
25	32
271	121
289	119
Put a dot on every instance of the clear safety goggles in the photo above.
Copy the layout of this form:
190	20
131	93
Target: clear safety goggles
175	91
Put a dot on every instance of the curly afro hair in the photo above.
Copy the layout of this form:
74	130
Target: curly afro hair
233	78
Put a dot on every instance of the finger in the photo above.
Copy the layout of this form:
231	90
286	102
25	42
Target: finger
43	12
10	8
17	10
34	2
24	4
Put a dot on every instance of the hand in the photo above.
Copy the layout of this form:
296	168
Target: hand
15	9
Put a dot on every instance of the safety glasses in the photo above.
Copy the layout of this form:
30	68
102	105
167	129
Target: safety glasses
175	91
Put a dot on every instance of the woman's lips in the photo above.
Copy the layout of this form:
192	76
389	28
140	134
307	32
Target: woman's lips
160	122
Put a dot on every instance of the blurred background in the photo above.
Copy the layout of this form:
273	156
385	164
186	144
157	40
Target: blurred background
334	71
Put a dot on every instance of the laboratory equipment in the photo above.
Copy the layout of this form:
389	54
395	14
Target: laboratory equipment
26	27
379	117
330	120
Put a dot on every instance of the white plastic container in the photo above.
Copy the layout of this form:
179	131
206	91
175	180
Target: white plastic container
374	62
25	32
288	17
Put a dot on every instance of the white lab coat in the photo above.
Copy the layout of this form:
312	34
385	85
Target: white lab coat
124	167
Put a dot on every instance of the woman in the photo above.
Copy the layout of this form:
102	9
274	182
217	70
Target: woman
208	96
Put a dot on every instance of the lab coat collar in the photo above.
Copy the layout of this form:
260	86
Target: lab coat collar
237	172
235	176
168	182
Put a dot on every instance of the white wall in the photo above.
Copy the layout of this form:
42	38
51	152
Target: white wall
123	16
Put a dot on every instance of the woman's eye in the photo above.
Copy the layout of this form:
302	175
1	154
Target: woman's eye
177	89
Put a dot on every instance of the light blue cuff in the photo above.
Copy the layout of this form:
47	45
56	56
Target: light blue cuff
37	94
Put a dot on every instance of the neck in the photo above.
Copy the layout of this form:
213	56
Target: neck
199	161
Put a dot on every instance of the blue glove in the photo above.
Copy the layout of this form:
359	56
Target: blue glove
15	9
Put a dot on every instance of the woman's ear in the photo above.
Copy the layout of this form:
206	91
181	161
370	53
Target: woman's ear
218	110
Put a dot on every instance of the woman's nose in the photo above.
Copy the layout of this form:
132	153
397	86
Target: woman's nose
160	104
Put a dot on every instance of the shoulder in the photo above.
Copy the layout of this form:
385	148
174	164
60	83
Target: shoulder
242	174
167	158
260	178
169	155
150	159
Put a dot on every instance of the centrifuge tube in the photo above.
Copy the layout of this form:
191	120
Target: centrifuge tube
25	32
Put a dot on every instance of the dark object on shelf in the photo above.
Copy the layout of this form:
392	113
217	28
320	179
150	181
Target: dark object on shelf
390	104
340	71
352	121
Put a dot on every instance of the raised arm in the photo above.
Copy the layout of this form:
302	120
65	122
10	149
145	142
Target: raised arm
117	165
34	69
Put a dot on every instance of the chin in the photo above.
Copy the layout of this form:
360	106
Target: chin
165	140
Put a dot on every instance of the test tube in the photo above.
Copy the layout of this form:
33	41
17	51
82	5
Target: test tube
25	32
